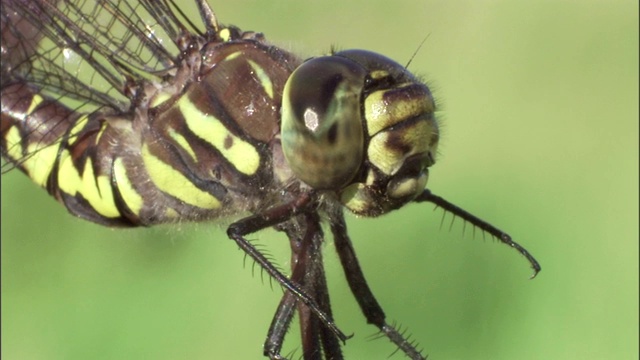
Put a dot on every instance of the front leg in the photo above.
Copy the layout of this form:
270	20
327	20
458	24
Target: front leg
271	217
361	291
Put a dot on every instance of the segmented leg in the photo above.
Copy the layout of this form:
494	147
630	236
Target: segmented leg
308	273
279	326
271	217
360	289
428	196
315	283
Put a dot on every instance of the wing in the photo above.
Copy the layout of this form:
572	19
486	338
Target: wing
91	54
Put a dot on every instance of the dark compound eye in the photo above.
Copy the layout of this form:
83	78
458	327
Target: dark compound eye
322	129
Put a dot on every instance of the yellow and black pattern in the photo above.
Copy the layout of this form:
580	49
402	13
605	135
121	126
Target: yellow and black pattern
129	114
190	152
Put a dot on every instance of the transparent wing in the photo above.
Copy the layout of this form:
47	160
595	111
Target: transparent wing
91	52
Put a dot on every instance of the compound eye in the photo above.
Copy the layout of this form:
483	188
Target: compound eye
322	124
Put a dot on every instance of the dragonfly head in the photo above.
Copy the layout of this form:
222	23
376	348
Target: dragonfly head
359	124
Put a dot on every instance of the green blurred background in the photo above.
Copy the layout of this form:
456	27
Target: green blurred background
539	106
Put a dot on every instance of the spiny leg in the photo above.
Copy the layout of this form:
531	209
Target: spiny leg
309	324
279	326
289	303
316	285
360	289
268	218
427	196
308	273
330	344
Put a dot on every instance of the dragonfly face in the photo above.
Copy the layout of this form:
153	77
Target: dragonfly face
174	123
341	110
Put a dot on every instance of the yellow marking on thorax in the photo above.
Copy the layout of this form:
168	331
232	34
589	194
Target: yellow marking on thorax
242	155
160	98
265	79
129	194
183	143
174	183
232	56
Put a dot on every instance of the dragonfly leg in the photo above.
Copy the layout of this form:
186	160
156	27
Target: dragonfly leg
279	326
272	217
315	283
428	196
308	272
355	277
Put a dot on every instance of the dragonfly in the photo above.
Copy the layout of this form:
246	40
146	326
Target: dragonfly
131	113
